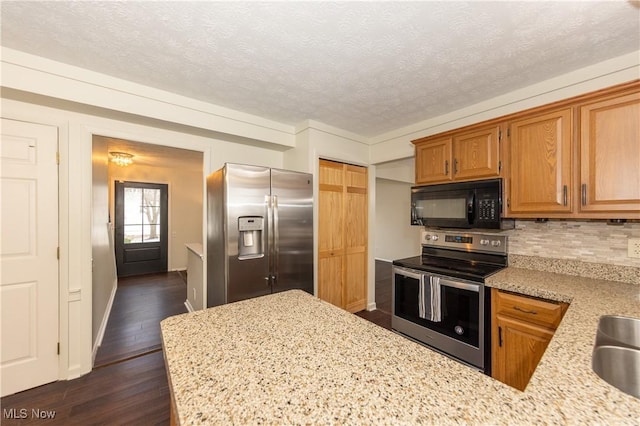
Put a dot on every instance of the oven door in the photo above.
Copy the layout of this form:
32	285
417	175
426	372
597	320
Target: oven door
460	333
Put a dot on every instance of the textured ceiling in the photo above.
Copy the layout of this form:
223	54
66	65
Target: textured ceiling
366	67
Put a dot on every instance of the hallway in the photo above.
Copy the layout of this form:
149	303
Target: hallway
141	302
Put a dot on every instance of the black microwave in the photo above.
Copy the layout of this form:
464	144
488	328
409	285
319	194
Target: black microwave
476	204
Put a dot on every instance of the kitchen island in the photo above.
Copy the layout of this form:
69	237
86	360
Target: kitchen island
290	358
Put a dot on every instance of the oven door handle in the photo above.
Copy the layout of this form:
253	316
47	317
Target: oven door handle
463	286
409	273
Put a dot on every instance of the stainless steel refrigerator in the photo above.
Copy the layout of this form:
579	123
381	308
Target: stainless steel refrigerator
259	232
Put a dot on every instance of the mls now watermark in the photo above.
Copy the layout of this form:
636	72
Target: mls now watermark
23	413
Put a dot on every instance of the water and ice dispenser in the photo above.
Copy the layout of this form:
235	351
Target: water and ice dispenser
250	232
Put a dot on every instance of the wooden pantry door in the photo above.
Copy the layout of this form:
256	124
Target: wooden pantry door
342	235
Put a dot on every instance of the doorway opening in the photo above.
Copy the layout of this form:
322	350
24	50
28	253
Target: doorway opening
144	214
140	228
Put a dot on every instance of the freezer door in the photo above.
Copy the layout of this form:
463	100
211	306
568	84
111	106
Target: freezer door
247	191
292	197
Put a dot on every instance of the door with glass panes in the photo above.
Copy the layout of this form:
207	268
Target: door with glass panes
141	228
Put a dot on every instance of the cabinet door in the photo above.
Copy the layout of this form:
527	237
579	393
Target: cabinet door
476	154
433	161
540	153
610	156
517	349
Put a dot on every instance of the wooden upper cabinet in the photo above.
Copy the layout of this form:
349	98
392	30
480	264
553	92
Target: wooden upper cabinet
476	154
577	158
458	156
433	161
610	156
540	158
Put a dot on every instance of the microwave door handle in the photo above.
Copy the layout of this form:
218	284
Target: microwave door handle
471	202
415	220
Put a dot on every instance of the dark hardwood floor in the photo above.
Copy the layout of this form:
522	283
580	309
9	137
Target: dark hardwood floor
382	315
141	302
134	390
128	384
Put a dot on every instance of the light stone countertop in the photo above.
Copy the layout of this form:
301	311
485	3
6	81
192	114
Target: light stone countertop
195	248
290	358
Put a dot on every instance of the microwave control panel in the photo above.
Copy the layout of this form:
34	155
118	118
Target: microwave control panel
487	209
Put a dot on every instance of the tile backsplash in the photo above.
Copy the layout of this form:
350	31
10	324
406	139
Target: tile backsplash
595	241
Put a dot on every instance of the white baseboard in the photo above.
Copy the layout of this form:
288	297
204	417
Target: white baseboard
371	306
188	305
103	324
75	371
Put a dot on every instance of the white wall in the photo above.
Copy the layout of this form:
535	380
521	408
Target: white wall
395	237
399	170
315	141
103	272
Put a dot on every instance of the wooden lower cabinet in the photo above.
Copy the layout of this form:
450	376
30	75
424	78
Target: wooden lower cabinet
520	348
521	329
342	235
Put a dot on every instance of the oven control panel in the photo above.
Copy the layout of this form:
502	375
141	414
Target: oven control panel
465	241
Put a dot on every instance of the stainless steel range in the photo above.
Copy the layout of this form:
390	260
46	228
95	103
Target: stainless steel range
439	297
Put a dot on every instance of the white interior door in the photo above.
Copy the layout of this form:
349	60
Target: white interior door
28	256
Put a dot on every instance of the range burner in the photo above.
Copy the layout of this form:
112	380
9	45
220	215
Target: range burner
468	256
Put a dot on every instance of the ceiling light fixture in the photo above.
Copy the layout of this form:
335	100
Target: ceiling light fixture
121	158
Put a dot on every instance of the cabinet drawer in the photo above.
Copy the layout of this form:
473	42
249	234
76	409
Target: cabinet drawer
536	311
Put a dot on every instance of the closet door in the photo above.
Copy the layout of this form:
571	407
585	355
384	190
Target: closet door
330	232
342	235
355	226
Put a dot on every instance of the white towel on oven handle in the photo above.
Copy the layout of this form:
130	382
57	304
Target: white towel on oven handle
436	308
422	305
429	298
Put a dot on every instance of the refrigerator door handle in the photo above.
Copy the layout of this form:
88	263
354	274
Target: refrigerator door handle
268	202
276	239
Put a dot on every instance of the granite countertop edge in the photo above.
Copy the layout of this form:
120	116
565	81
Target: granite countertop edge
562	390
